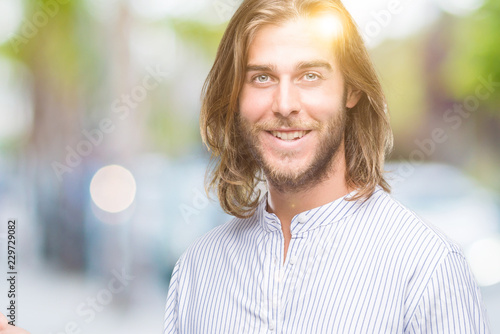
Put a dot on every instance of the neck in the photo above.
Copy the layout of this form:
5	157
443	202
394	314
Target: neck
287	204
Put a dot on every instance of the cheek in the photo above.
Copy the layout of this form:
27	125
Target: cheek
321	110
254	104
322	104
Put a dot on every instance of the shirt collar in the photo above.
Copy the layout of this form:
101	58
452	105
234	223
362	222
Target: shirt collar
311	219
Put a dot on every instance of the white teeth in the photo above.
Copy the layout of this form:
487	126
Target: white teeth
289	136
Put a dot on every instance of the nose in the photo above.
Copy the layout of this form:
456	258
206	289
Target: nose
286	99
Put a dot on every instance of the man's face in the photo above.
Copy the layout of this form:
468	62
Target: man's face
292	105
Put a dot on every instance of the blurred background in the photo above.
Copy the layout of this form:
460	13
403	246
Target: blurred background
102	164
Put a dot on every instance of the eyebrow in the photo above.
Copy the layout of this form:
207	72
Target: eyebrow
263	68
314	63
300	66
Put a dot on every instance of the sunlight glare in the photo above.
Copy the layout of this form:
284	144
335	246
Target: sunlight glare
328	25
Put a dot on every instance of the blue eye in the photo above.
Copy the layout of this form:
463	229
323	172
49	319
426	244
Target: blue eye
262	78
310	76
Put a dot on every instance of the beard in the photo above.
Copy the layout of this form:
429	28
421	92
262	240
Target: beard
287	177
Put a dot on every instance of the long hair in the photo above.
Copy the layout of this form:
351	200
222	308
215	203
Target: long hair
233	173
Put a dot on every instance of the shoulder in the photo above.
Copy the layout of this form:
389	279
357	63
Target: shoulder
402	221
217	241
415	249
423	263
411	246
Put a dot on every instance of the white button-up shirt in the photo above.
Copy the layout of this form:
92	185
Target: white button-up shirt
351	267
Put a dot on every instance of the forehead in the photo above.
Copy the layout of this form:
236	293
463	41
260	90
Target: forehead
295	41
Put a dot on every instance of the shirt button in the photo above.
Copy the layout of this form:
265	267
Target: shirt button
293	259
272	325
302	218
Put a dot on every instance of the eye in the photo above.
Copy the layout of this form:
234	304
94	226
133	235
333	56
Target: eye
311	76
262	78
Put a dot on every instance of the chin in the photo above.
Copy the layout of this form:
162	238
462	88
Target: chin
288	171
287	165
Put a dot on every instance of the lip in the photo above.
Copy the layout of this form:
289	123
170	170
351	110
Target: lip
279	143
288	130
289	134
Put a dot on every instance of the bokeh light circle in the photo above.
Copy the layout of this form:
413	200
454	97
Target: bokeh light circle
113	188
484	259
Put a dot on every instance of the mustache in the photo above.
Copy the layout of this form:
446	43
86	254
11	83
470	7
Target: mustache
287	123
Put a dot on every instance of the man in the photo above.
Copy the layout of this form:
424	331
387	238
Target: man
293	99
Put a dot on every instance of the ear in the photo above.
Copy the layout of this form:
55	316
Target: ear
353	96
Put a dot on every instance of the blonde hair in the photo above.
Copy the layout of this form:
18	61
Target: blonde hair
233	172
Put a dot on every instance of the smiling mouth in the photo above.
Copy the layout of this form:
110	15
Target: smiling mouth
289	135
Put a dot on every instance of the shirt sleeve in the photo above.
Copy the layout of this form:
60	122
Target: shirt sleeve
171	320
451	302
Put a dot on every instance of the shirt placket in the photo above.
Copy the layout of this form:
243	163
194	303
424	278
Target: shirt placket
281	274
268	286
276	251
278	280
